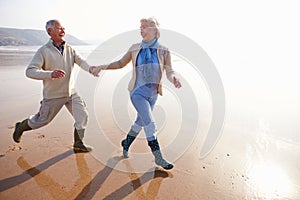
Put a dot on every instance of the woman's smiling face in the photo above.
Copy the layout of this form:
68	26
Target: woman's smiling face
148	32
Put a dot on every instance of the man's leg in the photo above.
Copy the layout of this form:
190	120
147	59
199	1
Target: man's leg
20	127
77	108
48	110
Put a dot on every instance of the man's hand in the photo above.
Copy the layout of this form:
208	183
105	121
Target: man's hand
176	82
58	74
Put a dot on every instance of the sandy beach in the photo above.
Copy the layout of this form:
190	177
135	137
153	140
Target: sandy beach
247	162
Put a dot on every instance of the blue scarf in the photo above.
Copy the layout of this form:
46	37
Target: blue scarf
147	51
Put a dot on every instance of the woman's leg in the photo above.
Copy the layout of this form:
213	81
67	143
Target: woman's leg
159	160
144	107
132	134
134	131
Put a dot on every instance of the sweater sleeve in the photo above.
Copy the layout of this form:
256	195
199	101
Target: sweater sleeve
81	62
35	68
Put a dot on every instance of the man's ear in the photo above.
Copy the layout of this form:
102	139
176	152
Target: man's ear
49	30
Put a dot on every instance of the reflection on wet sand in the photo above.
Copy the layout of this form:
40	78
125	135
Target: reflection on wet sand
270	166
155	177
94	185
51	186
86	185
269	181
32	171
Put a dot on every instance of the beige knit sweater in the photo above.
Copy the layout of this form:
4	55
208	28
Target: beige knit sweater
47	59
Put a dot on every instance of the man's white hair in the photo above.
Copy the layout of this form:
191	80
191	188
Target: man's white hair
50	24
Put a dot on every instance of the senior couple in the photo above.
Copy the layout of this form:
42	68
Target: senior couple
53	63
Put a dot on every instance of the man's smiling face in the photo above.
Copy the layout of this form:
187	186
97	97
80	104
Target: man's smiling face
57	33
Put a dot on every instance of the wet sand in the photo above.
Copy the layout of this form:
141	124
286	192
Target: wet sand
246	163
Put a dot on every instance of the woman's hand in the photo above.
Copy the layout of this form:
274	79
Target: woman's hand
176	82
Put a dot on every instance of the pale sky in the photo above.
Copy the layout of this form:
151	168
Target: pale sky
255	44
93	19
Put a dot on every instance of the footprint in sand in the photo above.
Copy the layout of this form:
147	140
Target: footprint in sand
11	127
40	136
13	149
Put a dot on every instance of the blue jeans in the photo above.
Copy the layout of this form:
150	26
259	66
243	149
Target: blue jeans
144	106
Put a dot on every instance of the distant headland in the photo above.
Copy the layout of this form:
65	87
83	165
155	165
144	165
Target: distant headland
30	37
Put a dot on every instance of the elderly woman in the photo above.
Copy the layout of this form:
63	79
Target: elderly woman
150	60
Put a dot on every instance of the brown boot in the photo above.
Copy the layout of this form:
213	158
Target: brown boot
78	146
20	127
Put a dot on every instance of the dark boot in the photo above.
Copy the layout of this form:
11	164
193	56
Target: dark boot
127	142
20	127
159	160
78	144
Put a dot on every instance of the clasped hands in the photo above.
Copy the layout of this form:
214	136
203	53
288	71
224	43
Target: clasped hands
95	70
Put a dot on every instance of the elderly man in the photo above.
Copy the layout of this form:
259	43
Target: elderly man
53	63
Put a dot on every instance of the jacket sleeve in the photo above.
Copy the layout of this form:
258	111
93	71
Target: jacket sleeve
170	73
35	68
120	63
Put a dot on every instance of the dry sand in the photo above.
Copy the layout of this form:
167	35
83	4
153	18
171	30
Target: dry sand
243	164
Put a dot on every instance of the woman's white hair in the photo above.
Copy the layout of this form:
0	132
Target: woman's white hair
153	23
